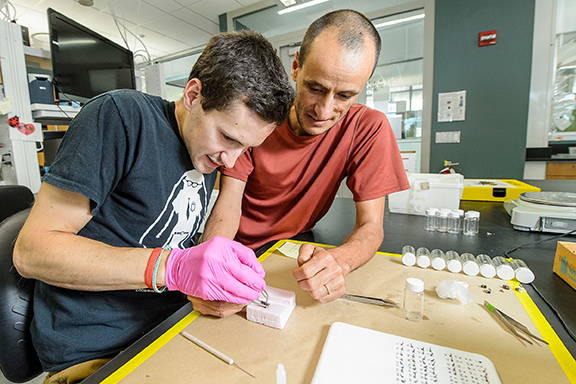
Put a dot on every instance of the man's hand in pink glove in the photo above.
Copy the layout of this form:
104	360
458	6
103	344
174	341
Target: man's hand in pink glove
218	269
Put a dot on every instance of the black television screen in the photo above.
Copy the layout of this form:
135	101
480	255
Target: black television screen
86	64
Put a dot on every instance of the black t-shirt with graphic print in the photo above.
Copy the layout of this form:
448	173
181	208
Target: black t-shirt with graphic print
124	152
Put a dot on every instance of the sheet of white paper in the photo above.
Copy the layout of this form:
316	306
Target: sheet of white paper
353	354
451	106
290	249
459	111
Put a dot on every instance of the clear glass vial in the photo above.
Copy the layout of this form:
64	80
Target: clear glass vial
503	270
487	268
423	257
471	223
453	262
438	259
442	220
469	264
431	219
522	272
454	221
408	255
414	299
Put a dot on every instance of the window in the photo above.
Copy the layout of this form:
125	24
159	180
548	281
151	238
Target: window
395	88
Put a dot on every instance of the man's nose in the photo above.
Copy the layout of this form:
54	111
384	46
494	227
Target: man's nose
228	158
324	108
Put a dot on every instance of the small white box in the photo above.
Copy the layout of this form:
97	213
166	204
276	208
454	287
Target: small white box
428	190
281	304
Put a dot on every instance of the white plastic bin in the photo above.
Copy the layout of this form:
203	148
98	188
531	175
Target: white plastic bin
428	190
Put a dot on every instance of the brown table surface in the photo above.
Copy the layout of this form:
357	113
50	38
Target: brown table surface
165	356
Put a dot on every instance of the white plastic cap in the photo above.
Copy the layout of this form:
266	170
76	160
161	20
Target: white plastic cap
409	259
471	268
454	266
460	212
488	271
444	212
505	272
415	285
438	263
524	275
431	211
453	213
423	261
472	214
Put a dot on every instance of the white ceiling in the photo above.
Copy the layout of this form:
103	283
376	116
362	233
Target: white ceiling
165	26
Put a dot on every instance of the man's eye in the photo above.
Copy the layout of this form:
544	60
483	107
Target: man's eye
345	97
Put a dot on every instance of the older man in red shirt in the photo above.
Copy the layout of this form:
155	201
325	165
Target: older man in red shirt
286	185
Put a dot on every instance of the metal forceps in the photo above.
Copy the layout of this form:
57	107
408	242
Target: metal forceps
264	303
513	325
369	300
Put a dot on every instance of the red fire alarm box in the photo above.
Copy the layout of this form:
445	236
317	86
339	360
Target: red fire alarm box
486	38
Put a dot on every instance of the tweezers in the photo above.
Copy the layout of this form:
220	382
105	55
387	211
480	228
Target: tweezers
369	300
512	325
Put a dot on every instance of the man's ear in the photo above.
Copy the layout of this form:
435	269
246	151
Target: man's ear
295	65
192	93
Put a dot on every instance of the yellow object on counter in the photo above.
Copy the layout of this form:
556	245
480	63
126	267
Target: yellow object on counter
495	189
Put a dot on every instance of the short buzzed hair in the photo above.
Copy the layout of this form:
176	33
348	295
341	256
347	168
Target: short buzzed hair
353	28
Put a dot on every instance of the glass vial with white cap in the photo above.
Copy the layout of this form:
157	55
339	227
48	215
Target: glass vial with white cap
522	272
471	223
487	268
453	262
408	255
503	270
438	259
431	219
442	220
414	299
423	257
454	221
469	264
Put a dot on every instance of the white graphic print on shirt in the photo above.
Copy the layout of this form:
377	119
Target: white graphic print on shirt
182	214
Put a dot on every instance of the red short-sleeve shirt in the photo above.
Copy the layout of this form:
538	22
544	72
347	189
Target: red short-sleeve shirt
291	181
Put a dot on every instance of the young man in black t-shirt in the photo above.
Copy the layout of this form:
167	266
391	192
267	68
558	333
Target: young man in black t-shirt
117	213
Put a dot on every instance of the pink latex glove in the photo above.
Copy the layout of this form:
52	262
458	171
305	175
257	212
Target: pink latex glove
218	269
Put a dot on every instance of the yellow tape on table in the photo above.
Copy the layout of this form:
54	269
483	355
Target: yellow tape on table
560	352
151	349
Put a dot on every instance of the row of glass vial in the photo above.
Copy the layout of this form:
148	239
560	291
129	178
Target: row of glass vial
468	263
452	221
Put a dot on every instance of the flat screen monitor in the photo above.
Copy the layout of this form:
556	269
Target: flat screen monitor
86	64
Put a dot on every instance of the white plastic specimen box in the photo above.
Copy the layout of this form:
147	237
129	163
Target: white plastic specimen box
281	303
428	190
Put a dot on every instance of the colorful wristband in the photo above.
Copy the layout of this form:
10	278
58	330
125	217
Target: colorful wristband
150	266
155	273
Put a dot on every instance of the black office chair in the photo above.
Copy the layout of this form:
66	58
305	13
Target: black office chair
13	199
18	359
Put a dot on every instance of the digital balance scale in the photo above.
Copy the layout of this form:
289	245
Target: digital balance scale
543	212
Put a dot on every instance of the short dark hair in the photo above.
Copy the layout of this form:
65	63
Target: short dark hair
352	26
244	66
